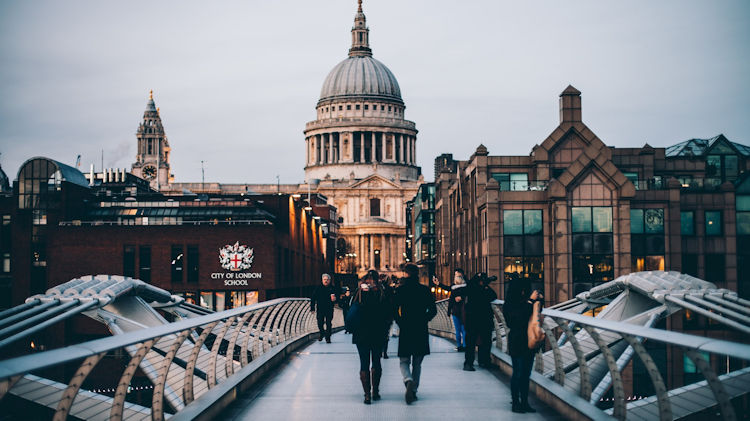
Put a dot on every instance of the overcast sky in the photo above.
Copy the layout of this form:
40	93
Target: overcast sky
236	81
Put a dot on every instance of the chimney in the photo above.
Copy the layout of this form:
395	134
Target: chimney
91	175
570	105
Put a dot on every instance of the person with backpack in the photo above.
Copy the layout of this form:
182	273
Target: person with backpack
518	308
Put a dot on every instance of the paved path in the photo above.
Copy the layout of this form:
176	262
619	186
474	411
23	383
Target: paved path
321	382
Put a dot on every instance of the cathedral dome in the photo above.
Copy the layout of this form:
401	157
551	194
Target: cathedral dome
361	75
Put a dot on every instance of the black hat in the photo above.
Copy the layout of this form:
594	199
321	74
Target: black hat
483	278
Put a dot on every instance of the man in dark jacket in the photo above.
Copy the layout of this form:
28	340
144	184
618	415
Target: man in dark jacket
324	298
414	308
479	316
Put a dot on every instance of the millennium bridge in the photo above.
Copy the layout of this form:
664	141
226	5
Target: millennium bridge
169	359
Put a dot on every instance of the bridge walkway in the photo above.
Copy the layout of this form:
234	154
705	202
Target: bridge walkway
320	382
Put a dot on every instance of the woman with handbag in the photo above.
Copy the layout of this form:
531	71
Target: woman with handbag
518	309
368	320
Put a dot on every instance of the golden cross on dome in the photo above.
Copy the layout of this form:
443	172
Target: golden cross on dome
151	92
360	5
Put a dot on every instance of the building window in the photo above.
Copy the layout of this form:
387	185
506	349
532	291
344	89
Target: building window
341	107
687	223
192	263
6	262
713	223
512	181
6	220
647	239
593	252
382	108
144	263
722	168
177	263
374	207
715	268
523	246
357	106
743	215
633	177
128	261
367	107
39	217
348	107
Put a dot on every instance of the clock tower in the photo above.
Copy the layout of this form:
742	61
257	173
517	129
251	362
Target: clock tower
152	159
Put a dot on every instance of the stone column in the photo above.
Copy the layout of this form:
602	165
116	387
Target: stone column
384	255
401	148
373	149
361	147
413	150
307	150
393	148
372	251
330	148
383	138
361	251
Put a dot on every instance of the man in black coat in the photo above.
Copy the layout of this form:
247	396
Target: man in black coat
414	308
479	316
324	298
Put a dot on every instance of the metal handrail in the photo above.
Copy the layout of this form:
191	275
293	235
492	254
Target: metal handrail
181	370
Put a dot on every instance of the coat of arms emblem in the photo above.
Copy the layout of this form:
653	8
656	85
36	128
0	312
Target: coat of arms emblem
236	257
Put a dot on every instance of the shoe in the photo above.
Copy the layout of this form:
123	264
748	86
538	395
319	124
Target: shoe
526	408
375	377
364	377
411	394
461	349
516	407
469	367
328	340
385	356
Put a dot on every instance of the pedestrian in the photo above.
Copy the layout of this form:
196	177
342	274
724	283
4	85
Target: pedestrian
479	320
345	299
369	332
323	299
517	310
456	308
414	308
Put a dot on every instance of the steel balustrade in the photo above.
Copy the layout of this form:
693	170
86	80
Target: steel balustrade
575	342
188	356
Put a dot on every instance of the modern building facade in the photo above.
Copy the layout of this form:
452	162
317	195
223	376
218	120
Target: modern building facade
420	236
576	213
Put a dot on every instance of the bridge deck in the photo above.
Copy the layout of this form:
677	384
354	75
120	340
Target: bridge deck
321	382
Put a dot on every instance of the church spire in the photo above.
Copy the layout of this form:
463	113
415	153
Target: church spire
360	35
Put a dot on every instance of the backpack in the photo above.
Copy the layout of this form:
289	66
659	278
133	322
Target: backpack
534	330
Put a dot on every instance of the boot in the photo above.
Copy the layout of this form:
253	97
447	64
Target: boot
525	407
376	384
516	407
364	377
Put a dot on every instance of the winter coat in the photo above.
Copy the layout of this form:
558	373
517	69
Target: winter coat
478	307
517	318
414	307
375	319
457	309
321	299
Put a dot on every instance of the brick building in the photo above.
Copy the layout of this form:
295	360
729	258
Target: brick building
575	212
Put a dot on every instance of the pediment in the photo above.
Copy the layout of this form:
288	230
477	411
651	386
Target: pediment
374	182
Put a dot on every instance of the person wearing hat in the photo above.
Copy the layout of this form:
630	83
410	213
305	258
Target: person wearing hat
479	325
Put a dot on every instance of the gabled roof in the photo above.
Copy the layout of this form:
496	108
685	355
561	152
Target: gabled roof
698	147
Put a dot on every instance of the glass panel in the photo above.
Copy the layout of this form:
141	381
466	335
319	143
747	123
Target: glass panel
687	223
633	177
533	245
654	219
128	261
713	223
513	245
503	179
251	297
582	243
220	299
581	219
178	262
519	182
654	244
743	203
602	219
207	300
743	223
655	263
532	222
513	268
731	167
512	222
636	221
602	243
713	166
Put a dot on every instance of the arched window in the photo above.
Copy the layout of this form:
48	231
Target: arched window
374	207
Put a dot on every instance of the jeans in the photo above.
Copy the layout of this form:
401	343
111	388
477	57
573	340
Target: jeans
325	324
519	381
367	353
416	368
460	331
